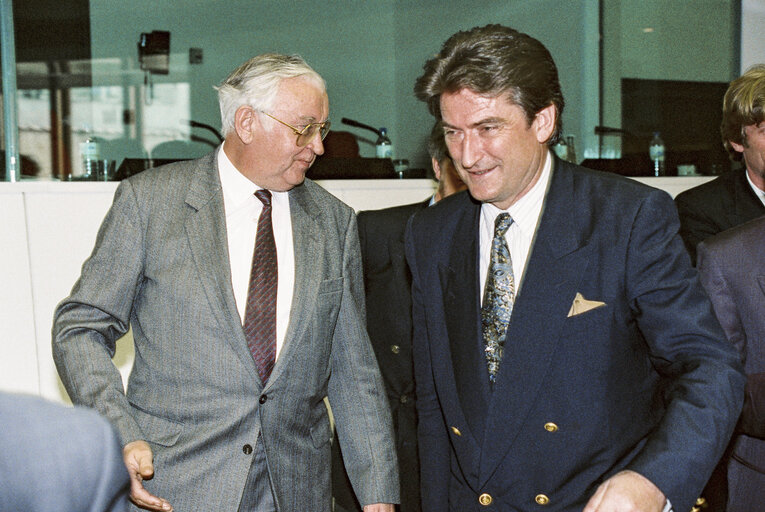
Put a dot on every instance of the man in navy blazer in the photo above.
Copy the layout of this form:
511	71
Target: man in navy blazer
615	387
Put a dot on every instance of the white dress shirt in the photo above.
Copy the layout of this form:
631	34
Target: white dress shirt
242	210
525	213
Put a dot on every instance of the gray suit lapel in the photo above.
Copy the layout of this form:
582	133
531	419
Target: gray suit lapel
206	231
309	248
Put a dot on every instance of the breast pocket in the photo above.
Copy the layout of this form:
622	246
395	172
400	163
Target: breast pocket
597	318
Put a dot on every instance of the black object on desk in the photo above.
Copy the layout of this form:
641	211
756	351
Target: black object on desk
131	166
327	168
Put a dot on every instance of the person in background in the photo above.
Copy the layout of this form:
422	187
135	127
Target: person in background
58	459
387	287
736	196
235	348
566	355
732	269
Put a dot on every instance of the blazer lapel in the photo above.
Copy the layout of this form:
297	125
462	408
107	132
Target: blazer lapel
553	274
206	232
461	302
309	250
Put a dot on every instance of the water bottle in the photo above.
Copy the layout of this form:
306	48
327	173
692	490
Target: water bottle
656	153
383	147
90	152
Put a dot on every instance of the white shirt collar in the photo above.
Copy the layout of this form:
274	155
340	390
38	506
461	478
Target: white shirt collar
237	188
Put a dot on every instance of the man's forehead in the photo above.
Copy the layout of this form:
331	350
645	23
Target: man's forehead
303	98
475	105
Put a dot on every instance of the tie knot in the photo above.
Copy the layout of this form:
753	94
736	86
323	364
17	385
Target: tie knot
502	224
264	196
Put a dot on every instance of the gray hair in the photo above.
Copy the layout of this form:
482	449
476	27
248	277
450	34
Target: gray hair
256	82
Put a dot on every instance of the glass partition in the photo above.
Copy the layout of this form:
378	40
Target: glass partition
138	81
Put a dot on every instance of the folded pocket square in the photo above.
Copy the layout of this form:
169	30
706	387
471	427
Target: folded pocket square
582	305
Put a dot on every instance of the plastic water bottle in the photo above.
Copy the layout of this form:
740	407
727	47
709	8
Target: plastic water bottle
383	147
656	151
90	152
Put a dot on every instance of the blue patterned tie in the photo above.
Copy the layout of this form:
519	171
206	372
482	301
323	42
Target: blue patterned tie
498	297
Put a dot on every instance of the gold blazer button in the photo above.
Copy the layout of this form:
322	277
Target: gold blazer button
541	499
551	427
485	499
457	433
395	349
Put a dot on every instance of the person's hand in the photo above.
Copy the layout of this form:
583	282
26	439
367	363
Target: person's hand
140	465
627	491
380	507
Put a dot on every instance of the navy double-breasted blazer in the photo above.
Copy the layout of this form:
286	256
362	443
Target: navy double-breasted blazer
645	381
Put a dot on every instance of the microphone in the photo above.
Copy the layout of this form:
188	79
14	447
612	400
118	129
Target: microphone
357	124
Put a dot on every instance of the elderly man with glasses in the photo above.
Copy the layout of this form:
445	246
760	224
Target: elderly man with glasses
241	281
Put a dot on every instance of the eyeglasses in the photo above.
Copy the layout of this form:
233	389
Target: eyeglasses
307	133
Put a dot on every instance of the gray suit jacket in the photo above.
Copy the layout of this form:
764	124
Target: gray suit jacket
161	266
58	459
732	269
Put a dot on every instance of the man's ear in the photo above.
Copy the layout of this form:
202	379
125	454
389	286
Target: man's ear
246	121
735	145
436	168
544	123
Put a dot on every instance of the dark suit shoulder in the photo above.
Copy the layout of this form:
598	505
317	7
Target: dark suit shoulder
724	185
388	220
444	213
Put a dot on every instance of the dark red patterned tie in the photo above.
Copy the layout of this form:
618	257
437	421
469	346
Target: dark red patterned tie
260	313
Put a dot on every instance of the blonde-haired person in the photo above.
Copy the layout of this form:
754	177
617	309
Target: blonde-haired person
736	196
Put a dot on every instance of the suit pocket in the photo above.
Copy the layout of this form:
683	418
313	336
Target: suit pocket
157	430
596	318
321	433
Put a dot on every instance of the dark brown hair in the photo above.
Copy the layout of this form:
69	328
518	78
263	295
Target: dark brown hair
494	60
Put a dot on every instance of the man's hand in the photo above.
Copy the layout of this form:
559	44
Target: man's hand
627	491
140	465
380	507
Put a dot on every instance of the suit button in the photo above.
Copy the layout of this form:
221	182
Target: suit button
485	499
404	399
247	449
551	427
541	499
263	399
458	433
395	349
